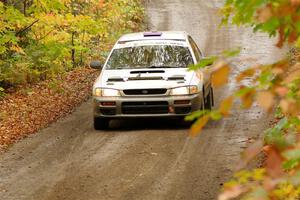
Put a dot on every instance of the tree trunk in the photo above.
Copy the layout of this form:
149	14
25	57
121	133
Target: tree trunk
73	50
24	7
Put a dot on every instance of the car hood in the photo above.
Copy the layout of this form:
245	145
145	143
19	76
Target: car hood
144	78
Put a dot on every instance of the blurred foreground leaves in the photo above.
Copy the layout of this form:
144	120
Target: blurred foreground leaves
276	88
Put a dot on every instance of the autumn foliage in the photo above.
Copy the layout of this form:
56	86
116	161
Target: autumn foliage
42	38
45	48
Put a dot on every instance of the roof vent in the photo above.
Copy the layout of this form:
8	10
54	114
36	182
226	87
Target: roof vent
152	34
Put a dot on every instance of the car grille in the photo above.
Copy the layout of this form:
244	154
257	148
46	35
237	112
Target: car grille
145	91
156	107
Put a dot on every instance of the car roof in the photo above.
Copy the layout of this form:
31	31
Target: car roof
155	35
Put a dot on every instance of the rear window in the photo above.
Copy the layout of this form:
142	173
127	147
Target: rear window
150	56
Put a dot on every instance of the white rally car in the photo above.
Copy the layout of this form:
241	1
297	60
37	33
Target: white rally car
147	75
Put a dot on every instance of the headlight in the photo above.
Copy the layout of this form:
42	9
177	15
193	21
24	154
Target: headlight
185	90
101	92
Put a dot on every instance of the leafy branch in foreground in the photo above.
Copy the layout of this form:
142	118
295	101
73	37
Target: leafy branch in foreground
276	88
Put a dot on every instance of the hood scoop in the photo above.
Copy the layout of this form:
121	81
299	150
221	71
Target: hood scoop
176	78
115	79
148	78
148	72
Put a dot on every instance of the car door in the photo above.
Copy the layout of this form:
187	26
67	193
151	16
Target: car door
206	71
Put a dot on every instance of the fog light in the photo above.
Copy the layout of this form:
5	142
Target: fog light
182	102
108	103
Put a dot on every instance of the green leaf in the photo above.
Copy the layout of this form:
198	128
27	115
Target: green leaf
271	25
292	154
215	115
275	135
291	164
203	63
231	53
196	115
243	91
2	93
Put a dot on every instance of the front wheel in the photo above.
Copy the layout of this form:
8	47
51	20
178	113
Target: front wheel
209	100
101	123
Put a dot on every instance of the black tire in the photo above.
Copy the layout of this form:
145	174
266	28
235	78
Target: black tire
212	97
101	123
186	124
208	101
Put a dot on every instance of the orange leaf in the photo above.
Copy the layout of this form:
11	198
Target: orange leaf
251	152
293	37
231	193
247	99
284	64
100	4
266	100
277	71
281	37
226	105
17	49
295	2
285	9
292	76
281	91
199	125
289	107
274	163
245	74
220	76
284	105
264	14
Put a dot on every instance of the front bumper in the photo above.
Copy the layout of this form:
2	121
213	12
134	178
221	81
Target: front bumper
146	106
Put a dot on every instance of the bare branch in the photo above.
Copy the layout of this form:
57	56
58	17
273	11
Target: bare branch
26	28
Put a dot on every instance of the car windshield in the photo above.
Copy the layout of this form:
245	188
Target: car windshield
151	56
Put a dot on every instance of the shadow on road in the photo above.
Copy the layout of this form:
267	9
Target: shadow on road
155	124
147	124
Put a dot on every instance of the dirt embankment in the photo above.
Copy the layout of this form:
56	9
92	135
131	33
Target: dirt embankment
34	107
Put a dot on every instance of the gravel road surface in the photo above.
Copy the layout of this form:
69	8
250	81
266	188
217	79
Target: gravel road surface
142	159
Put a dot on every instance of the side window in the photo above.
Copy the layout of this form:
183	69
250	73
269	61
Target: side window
195	48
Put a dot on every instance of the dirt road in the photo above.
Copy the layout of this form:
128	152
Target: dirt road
142	159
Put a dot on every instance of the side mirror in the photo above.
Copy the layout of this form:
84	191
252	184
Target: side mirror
96	64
